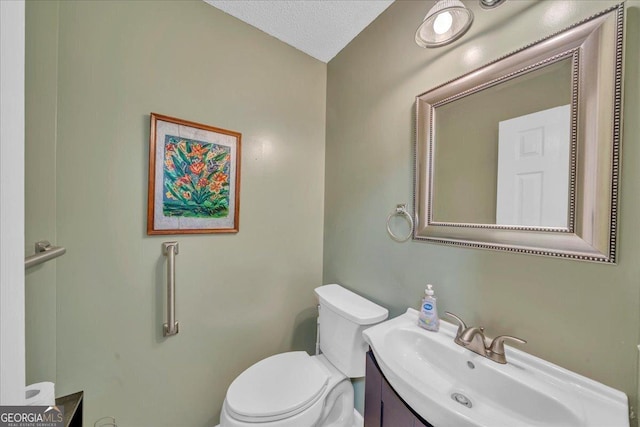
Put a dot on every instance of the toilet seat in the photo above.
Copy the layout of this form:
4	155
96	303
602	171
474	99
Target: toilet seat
277	387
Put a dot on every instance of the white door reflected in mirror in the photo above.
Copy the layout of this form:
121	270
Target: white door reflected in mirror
533	169
457	154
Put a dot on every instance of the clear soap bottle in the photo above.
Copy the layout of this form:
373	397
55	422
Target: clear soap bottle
428	318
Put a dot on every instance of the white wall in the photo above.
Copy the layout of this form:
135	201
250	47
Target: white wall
12	353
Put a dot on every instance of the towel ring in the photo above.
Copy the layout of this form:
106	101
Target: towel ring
401	210
106	422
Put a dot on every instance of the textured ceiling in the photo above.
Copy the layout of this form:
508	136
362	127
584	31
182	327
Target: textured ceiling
320	28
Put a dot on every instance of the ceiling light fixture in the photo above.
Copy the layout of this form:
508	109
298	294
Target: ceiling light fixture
445	22
490	4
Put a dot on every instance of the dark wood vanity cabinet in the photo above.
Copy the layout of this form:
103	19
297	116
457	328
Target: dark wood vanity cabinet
382	405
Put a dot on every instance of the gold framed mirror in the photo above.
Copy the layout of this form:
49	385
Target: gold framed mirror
523	154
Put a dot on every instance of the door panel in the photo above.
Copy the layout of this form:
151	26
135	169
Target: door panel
533	169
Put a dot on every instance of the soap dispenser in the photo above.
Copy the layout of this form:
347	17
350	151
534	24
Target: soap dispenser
428	318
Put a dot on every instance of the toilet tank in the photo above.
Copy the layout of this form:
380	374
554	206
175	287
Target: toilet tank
343	317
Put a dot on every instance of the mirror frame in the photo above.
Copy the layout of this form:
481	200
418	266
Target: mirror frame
595	46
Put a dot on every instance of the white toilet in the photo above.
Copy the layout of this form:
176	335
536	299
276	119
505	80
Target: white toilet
297	390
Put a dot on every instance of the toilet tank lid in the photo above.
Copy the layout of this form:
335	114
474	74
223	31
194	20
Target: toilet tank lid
350	305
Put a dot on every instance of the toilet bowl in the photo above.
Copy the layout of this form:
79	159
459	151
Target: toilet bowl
295	389
289	390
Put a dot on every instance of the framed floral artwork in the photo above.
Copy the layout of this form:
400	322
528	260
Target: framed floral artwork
194	178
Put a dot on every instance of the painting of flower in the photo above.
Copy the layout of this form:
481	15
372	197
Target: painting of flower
193	178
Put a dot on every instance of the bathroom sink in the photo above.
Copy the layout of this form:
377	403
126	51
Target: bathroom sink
449	385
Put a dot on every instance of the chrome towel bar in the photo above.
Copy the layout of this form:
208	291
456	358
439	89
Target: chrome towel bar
170	249
44	252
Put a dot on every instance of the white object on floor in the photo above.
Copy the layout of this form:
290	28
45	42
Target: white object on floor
40	394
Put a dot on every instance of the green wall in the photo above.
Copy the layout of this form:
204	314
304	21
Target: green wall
579	315
41	94
240	297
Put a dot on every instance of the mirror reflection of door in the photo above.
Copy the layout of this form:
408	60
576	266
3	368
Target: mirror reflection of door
533	169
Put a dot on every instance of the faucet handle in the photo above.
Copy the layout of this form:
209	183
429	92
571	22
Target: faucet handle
497	345
461	325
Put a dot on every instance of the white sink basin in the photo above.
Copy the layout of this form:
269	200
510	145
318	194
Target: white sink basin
427	368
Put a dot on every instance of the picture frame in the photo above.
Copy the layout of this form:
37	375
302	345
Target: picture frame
194	178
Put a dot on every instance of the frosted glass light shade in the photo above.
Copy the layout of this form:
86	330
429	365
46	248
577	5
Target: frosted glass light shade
445	22
490	4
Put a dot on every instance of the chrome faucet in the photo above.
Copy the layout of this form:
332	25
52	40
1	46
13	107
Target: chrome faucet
473	338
